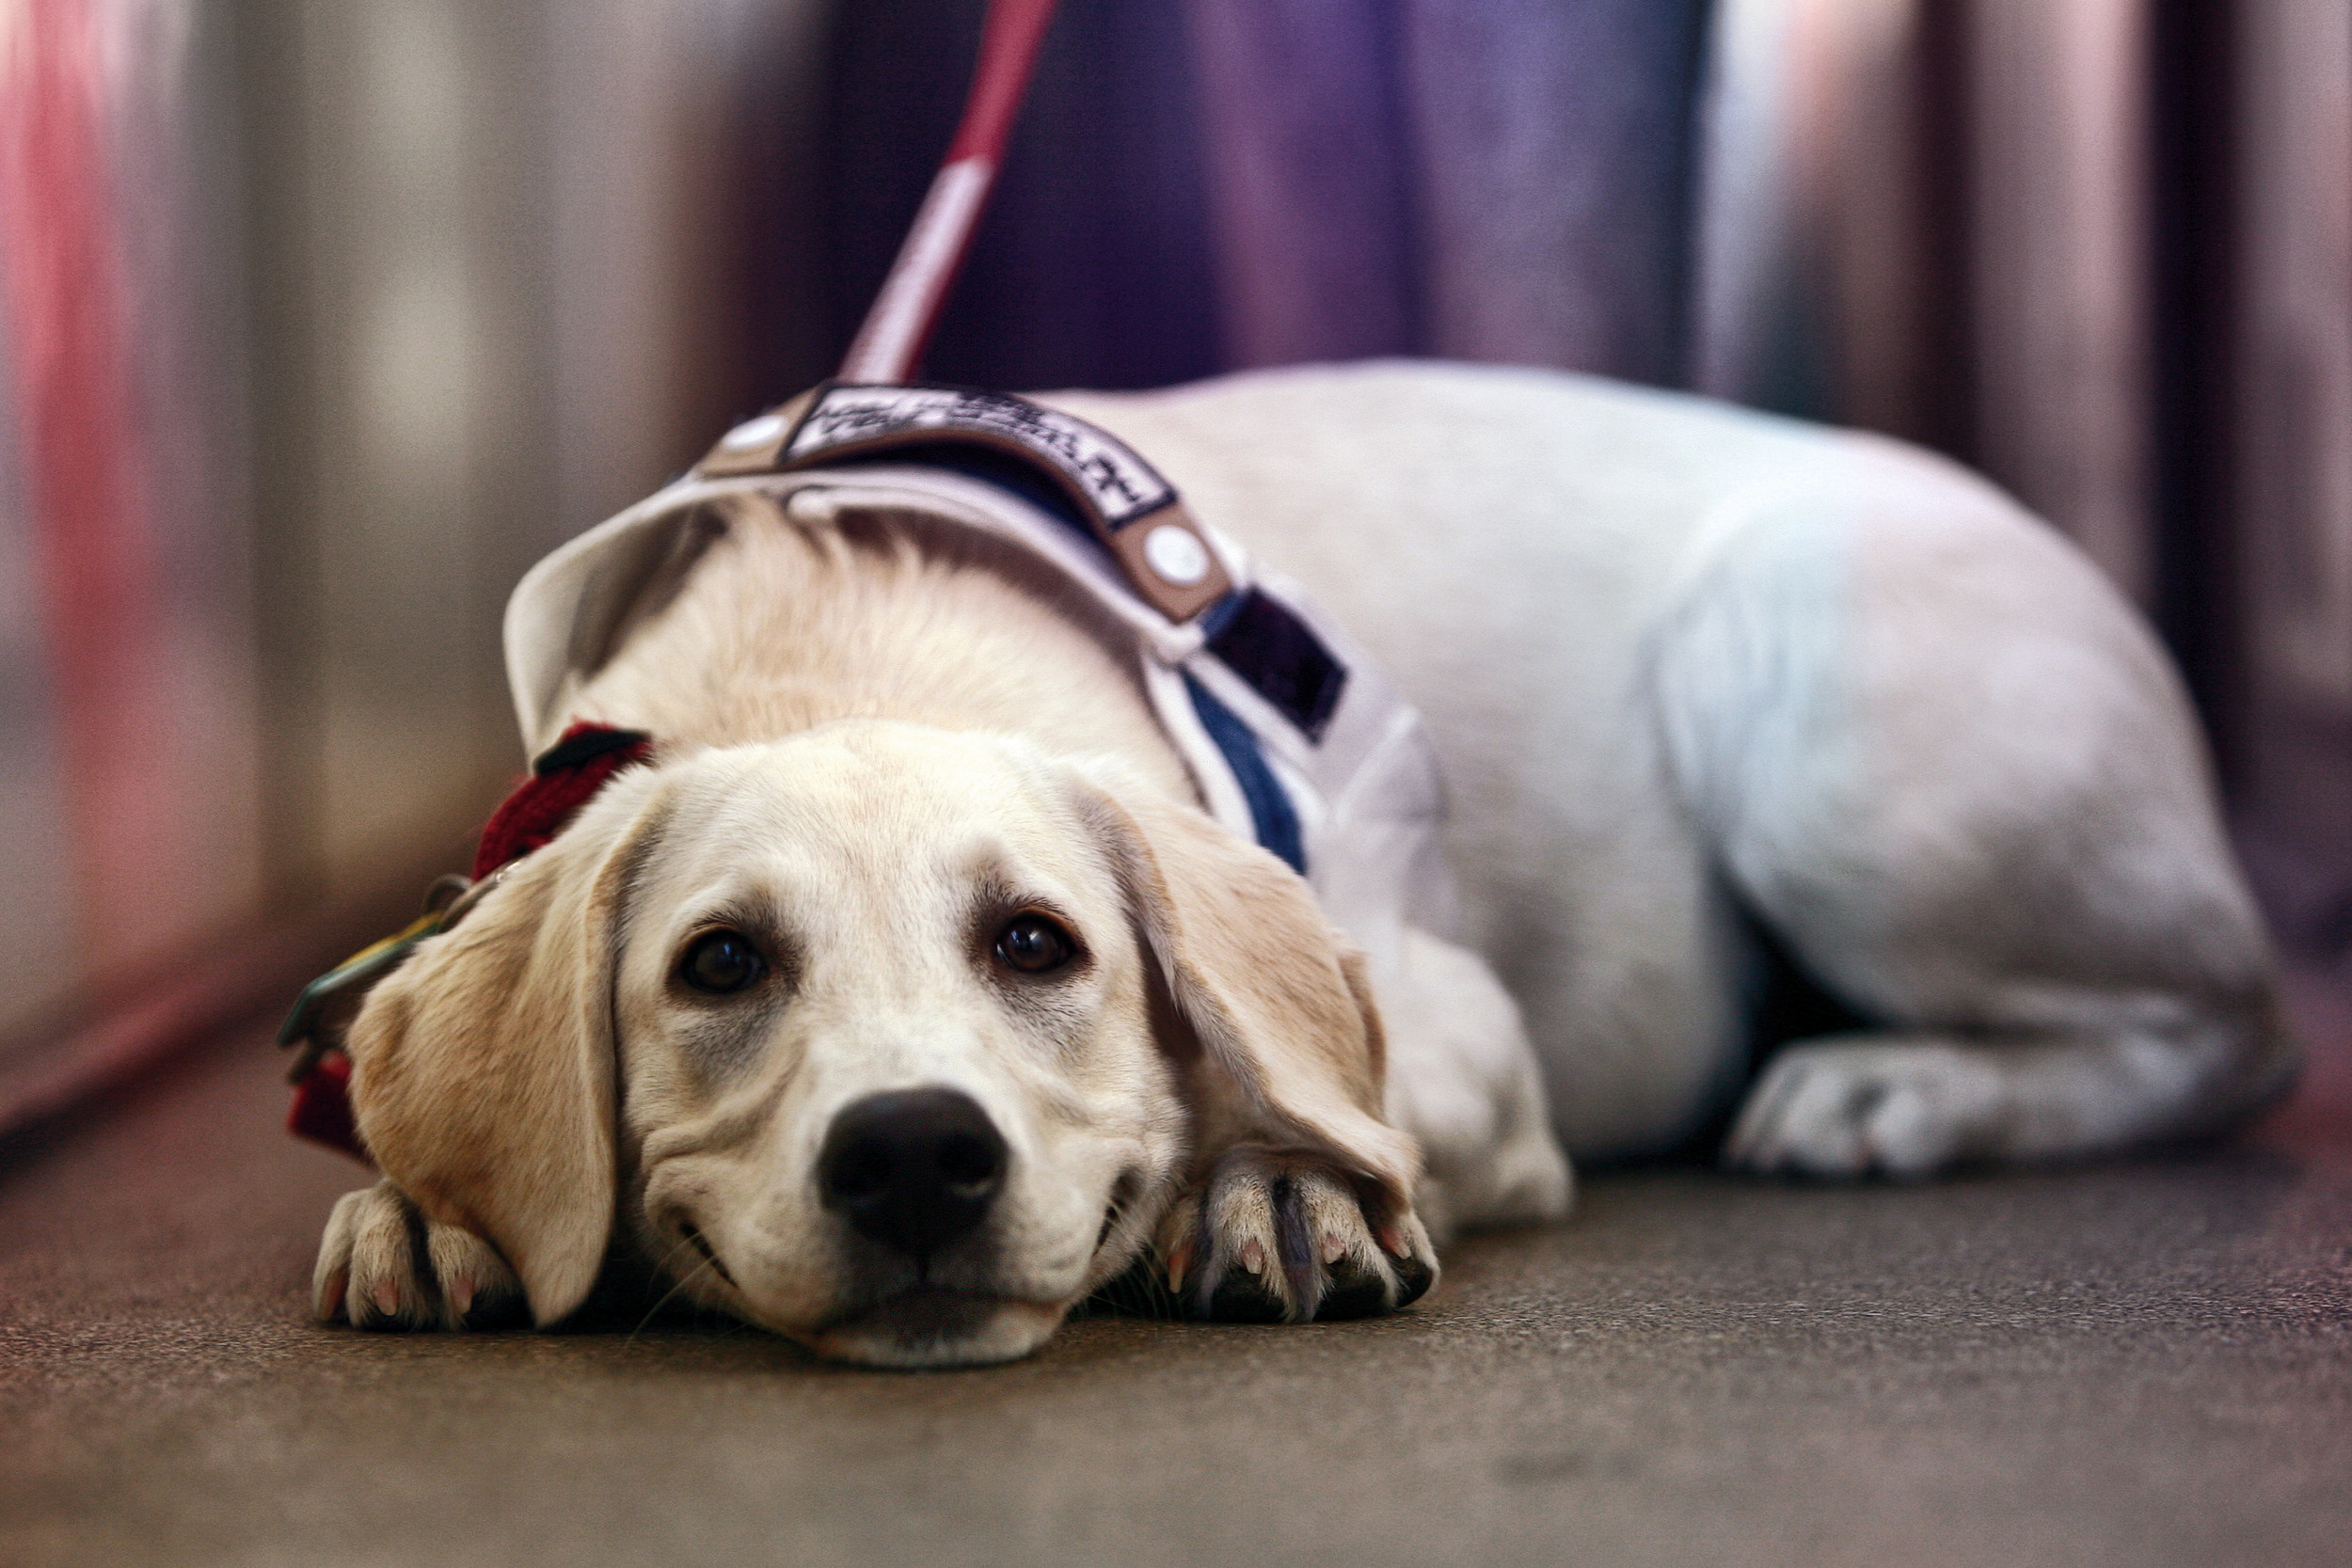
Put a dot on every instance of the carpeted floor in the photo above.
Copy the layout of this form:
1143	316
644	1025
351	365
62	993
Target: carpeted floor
2145	1363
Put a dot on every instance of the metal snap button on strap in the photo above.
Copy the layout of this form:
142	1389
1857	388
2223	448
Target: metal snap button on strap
1176	554
753	434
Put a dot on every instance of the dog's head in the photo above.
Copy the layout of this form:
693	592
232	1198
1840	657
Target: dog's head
894	1039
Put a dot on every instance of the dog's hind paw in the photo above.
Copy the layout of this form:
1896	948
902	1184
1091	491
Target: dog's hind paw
1276	1237
382	1265
1844	1107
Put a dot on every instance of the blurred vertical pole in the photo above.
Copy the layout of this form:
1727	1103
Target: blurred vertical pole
1894	296
2057	110
1829	280
1553	154
61	253
496	260
1755	329
2195	116
1932	218
284	390
397	158
2294	423
682	201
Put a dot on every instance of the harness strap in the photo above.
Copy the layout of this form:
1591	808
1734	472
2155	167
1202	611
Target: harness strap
1166	557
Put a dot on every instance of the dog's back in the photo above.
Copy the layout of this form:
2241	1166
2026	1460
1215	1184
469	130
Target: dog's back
1681	661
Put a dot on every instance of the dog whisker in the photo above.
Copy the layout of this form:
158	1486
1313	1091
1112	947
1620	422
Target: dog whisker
709	1256
711	1260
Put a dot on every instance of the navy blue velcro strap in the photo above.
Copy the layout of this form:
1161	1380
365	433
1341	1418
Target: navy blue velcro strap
1284	662
990	467
582	743
1272	817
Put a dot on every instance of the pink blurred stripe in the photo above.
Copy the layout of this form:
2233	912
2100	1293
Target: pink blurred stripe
62	256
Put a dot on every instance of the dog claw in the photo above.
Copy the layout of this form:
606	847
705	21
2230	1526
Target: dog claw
382	1265
1281	1237
1178	1265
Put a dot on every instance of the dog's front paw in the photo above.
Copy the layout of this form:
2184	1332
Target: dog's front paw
1276	1237
385	1265
1847	1108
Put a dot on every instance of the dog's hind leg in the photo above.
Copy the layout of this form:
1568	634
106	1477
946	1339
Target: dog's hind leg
1938	755
1908	1102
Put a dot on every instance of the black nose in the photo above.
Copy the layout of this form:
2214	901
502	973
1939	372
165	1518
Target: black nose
915	1170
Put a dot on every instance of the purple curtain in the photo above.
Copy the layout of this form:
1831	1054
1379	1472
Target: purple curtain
1093	265
1218	183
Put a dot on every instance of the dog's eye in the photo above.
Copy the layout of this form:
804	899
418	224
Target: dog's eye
721	962
1034	944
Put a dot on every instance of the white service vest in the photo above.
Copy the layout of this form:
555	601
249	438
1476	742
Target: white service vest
1295	740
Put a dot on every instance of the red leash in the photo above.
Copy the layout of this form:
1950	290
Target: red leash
890	343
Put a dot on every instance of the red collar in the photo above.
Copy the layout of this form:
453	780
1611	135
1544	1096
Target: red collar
563	778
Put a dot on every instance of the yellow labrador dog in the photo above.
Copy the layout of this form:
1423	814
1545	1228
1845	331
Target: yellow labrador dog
915	987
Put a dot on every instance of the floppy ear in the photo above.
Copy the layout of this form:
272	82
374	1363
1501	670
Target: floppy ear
483	1069
1275	1022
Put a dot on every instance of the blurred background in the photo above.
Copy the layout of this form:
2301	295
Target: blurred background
321	319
